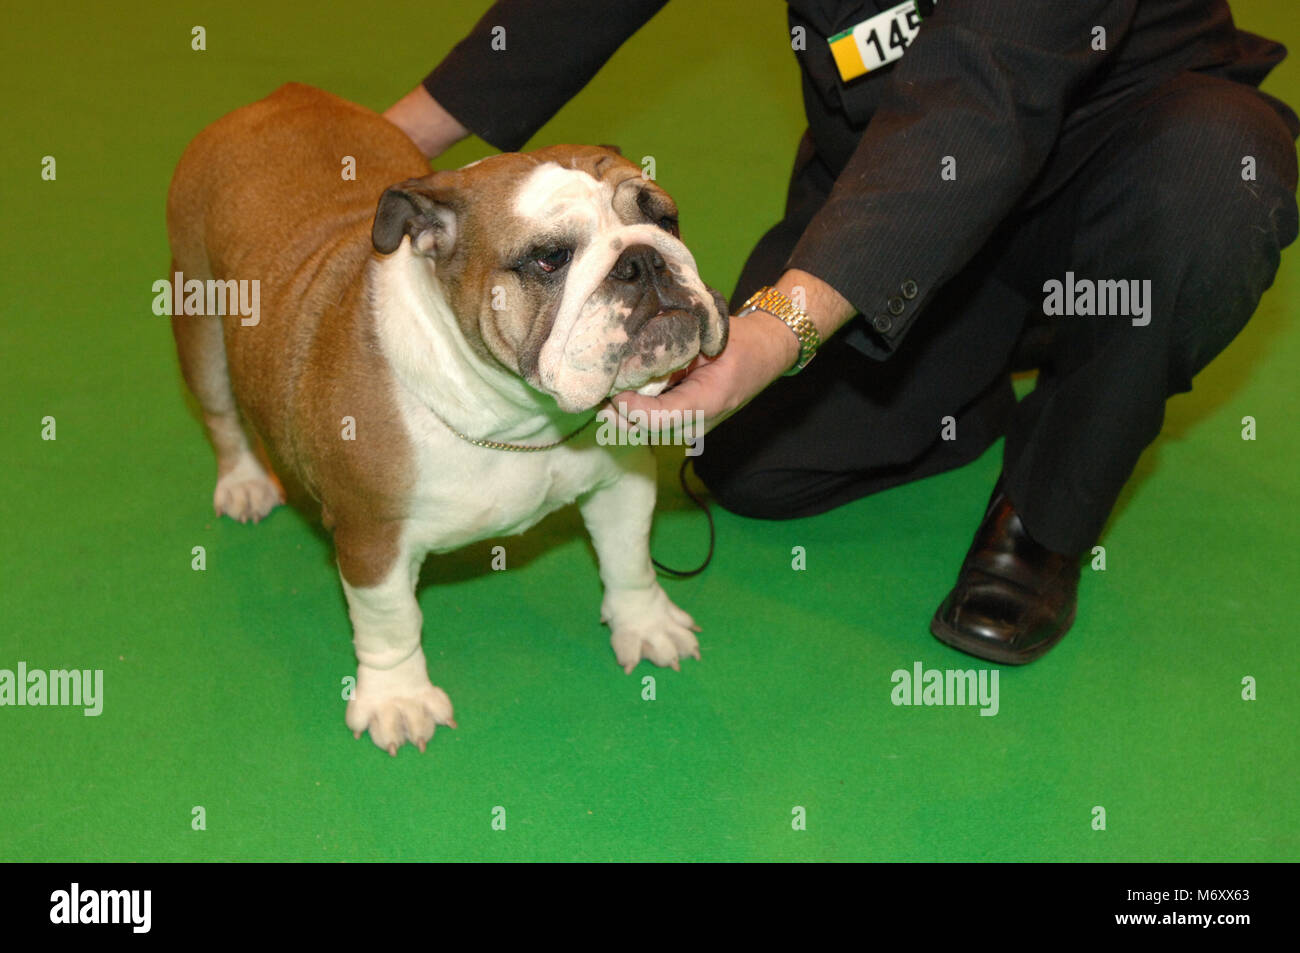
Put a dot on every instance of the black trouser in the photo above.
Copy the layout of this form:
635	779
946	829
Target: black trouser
1165	200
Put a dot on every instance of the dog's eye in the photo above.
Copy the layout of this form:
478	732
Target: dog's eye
669	224
553	260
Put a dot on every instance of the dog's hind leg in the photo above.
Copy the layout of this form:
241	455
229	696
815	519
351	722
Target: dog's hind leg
246	490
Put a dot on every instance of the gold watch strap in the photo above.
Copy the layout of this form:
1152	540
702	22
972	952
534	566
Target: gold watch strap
779	306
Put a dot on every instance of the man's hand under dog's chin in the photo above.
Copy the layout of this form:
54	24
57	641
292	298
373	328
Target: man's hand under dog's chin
759	350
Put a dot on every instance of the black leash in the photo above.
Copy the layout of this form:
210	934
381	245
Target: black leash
688	573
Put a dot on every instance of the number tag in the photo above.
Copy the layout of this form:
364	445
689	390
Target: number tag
879	41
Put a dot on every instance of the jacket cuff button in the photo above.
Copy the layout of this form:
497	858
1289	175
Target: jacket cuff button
882	323
909	289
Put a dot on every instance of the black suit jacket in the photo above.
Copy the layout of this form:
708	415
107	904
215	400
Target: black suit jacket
998	85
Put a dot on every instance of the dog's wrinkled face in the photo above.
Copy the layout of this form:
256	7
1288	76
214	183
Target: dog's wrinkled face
564	265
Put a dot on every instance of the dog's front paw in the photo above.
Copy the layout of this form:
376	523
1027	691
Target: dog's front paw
647	625
247	492
398	705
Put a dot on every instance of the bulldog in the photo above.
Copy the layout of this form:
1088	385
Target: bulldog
429	354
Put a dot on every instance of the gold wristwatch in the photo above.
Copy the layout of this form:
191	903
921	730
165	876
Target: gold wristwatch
772	302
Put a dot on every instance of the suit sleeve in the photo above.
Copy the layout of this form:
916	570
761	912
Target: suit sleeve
552	48
985	82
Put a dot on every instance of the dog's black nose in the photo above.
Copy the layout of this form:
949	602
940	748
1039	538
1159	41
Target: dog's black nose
637	263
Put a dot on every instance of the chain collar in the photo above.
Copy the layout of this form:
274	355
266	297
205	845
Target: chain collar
518	447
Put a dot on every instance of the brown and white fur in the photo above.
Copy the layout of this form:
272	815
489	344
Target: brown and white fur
413	303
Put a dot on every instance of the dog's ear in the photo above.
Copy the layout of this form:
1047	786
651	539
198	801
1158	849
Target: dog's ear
614	149
423	208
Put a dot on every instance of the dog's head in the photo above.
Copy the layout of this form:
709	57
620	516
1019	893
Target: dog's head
564	265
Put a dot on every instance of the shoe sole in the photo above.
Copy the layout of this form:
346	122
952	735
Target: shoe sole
990	652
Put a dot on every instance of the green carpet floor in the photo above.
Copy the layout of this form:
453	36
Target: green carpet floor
222	687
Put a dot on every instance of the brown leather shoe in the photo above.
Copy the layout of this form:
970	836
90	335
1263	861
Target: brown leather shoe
1014	599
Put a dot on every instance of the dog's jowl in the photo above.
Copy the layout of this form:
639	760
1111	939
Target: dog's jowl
429	354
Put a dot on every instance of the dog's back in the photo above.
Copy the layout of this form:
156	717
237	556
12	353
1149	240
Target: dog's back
281	192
